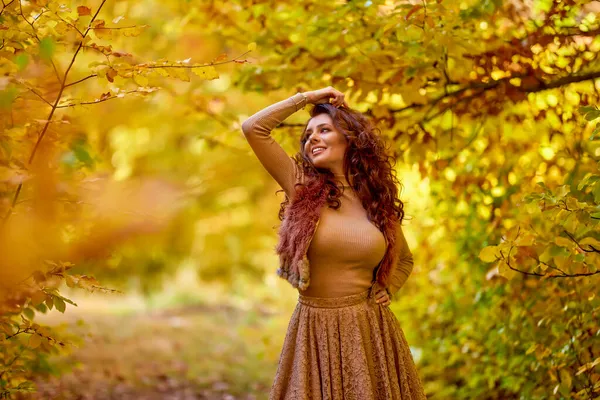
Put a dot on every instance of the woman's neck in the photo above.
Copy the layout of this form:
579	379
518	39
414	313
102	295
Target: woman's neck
341	178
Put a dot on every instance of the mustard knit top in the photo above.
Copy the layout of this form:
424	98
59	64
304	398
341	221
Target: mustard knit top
346	247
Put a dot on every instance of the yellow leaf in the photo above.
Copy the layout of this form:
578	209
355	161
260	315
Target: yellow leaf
103	33
134	30
563	241
208	72
526	239
6	328
161	72
563	262
43	331
413	10
582	369
546	256
179	73
70	281
531	349
38	297
562	215
488	254
430	22
505	271
35	340
572	203
571	223
140	80
252	46
590	241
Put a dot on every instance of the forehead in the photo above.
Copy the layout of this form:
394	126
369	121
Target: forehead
317	120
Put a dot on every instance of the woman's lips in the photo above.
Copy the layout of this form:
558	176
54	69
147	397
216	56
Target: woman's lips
318	153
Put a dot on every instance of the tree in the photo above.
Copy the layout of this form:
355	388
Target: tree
57	209
482	97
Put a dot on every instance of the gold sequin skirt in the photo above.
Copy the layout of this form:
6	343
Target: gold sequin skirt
345	348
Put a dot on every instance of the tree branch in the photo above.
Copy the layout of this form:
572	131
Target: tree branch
490	85
58	97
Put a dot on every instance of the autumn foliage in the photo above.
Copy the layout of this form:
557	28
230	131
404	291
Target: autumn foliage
57	210
493	103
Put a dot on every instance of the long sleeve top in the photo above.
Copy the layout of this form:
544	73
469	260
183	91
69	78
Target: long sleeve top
346	246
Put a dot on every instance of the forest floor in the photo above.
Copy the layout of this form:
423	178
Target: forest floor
189	351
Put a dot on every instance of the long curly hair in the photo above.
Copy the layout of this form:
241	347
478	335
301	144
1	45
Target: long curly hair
367	166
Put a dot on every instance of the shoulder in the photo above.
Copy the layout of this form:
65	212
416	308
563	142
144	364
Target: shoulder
298	177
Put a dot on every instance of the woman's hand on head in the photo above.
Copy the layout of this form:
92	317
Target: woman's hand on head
326	95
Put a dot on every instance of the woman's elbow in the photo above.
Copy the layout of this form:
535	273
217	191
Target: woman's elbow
247	127
407	263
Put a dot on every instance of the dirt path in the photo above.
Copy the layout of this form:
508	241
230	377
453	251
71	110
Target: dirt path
186	353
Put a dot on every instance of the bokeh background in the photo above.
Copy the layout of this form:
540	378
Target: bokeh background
138	229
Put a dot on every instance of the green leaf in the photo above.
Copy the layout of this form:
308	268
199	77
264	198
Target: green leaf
29	313
595	132
587	109
60	304
8	96
68	301
47	47
41	308
81	154
592	115
596	193
22	60
543	185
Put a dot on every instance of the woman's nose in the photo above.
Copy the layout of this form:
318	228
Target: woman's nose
312	139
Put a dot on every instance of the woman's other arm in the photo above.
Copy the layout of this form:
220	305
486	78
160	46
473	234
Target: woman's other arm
404	266
257	130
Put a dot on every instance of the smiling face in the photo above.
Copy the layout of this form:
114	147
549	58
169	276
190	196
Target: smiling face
322	133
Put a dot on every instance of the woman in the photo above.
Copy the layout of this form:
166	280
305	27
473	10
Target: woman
341	245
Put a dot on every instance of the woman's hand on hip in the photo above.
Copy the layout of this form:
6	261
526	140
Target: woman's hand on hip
382	297
324	95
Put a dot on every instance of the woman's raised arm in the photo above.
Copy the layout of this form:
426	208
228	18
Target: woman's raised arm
257	130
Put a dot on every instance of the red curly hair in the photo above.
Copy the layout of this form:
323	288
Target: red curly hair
367	166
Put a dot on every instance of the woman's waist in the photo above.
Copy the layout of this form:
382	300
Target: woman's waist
339	290
334	282
335	302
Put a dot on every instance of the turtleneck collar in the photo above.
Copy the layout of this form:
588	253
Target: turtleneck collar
342	179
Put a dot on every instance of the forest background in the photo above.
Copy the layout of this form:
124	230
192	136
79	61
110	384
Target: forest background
124	173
